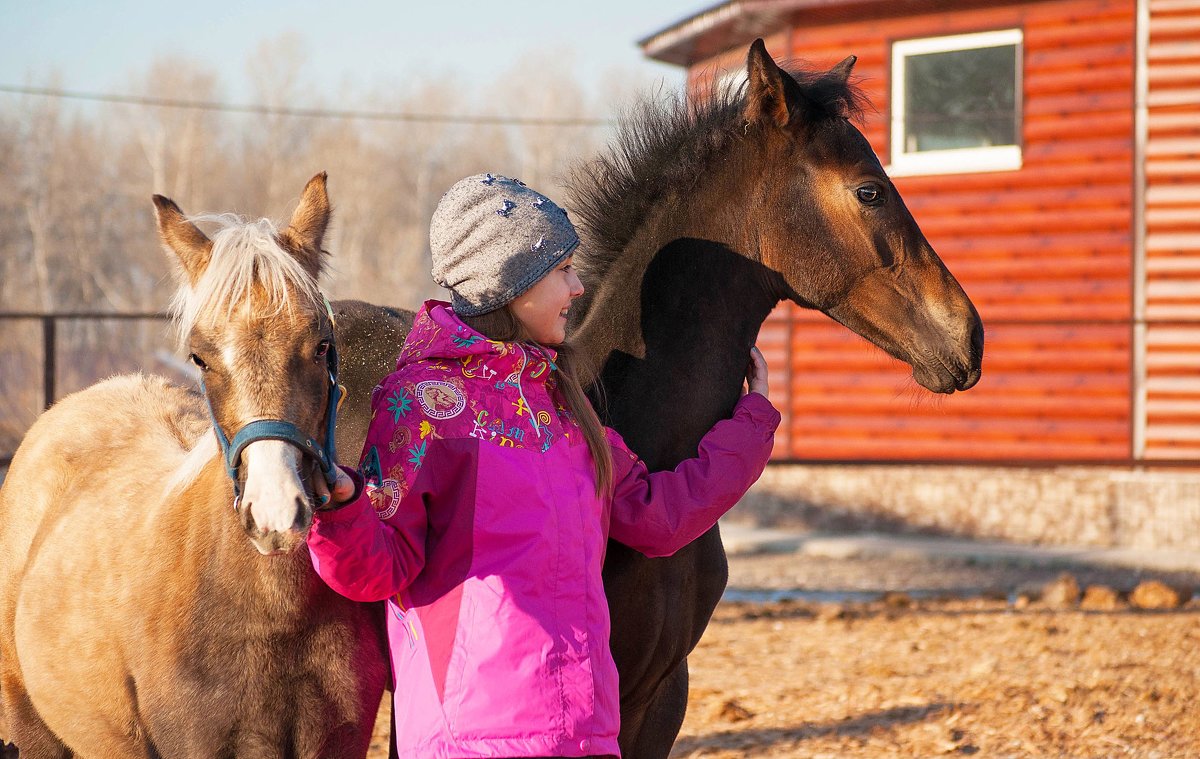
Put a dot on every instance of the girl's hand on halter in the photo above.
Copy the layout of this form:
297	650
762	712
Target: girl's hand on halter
344	491
756	373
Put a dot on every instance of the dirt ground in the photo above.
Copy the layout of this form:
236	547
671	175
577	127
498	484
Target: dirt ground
942	678
966	660
883	658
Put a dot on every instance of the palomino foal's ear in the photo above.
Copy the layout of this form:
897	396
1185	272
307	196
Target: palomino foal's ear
183	238
306	230
841	72
766	87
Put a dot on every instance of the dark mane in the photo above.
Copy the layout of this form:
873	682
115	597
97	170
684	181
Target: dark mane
666	142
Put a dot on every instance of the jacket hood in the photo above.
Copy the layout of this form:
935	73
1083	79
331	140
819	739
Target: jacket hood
439	334
513	383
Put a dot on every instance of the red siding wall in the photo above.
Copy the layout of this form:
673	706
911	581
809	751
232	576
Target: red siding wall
1044	252
1172	292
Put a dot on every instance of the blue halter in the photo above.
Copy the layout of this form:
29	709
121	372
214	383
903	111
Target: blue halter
278	429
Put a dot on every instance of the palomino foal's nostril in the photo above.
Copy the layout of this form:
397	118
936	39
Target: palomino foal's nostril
303	516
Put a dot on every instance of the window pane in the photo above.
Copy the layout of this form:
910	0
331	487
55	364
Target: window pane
960	99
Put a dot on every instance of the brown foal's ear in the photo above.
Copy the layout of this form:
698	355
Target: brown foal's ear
306	230
766	87
841	72
182	238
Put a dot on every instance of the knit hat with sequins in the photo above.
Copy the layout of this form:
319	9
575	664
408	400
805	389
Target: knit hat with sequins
492	238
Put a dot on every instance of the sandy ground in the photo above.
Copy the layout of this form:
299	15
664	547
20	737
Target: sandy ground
966	660
943	678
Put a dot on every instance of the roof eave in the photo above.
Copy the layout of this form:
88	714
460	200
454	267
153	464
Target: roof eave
727	24
675	43
736	22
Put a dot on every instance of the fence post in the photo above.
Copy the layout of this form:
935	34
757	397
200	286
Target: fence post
49	337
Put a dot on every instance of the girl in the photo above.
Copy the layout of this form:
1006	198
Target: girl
489	489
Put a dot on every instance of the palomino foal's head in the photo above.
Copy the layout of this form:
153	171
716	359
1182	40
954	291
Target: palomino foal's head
868	265
258	328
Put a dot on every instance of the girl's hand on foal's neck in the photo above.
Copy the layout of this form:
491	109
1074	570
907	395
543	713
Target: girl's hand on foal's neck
756	373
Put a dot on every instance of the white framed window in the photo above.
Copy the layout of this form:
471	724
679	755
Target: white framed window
956	104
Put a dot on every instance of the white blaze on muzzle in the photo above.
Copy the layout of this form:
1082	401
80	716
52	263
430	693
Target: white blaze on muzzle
273	491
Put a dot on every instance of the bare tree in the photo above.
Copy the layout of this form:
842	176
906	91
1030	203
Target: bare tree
177	144
543	85
275	144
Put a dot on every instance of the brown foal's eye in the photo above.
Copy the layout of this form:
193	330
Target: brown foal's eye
322	349
869	194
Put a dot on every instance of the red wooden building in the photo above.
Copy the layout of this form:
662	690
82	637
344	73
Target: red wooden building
1050	150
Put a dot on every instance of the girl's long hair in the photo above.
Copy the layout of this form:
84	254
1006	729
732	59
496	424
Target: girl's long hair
503	326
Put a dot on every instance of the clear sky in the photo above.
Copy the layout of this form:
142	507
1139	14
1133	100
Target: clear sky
103	45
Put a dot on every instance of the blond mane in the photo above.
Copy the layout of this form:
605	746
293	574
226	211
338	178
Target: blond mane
245	255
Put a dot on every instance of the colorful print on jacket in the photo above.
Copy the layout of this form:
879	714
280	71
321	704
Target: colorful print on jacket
480	525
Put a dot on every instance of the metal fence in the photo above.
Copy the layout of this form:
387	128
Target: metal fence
44	356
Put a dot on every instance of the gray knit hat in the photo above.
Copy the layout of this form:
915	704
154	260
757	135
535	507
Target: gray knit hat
493	238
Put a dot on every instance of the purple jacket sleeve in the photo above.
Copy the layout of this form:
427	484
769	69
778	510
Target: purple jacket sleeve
659	513
374	547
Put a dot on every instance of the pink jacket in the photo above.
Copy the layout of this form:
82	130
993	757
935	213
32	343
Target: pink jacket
480	525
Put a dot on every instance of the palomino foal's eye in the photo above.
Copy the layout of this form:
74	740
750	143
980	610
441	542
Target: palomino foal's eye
199	362
869	194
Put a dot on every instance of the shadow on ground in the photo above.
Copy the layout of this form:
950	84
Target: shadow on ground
754	742
777	576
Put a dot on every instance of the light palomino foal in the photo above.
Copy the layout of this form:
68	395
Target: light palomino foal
137	618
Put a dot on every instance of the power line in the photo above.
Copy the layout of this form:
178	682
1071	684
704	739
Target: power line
312	113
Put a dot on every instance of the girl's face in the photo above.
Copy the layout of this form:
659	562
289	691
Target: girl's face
542	309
